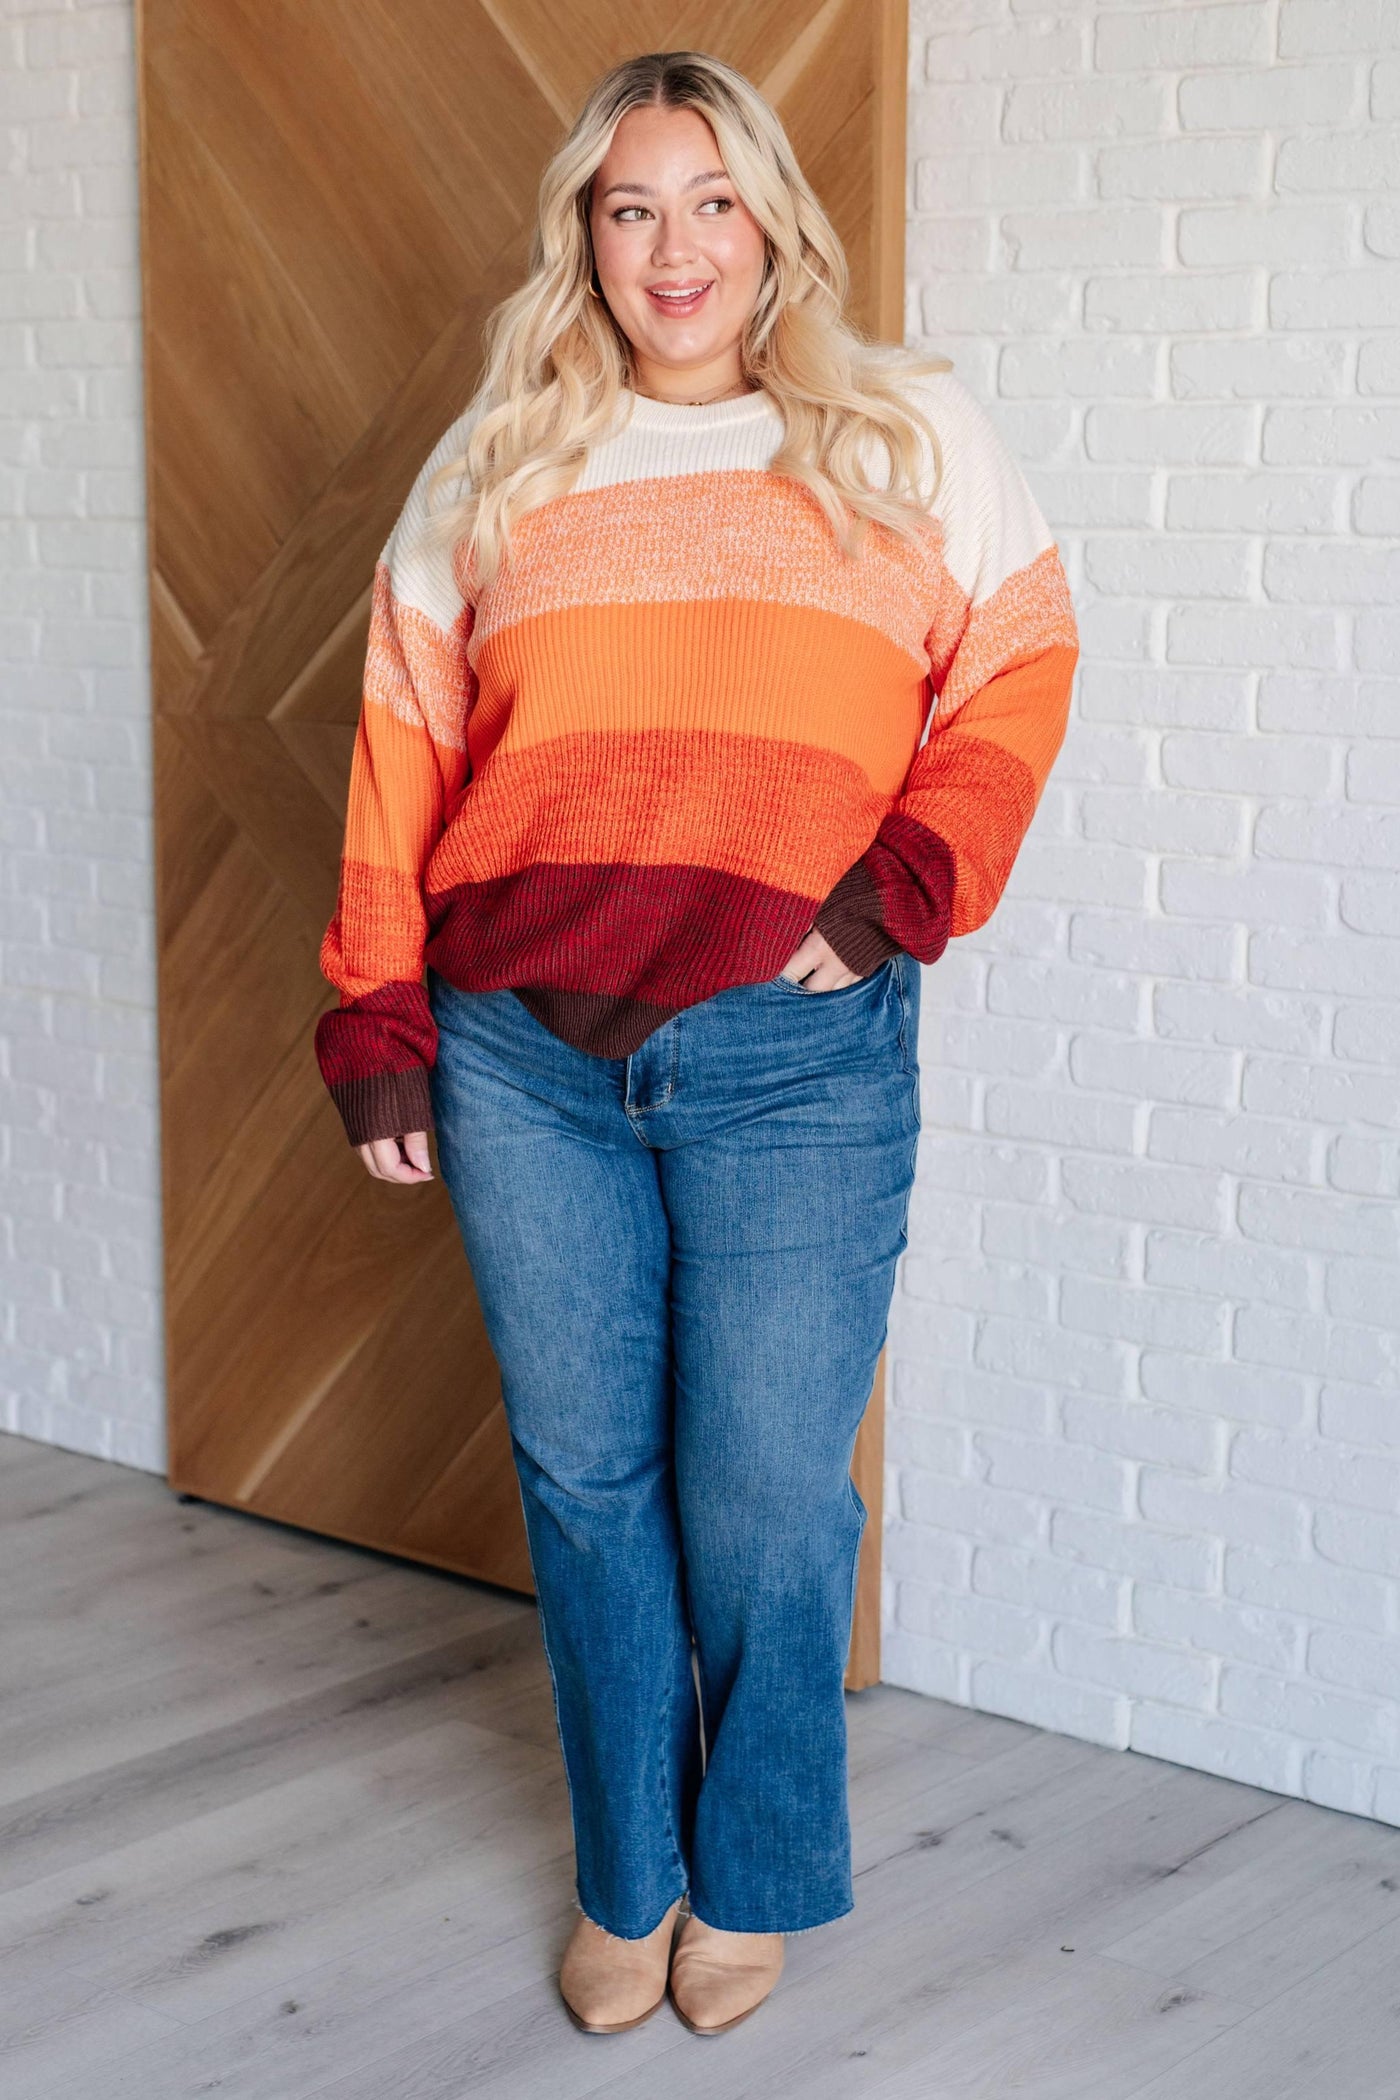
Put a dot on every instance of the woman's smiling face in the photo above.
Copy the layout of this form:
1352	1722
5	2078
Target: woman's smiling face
666	220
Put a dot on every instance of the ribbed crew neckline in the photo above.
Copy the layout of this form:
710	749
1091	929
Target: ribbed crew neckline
651	414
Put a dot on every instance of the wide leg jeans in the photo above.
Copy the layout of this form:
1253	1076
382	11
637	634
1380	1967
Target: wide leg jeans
685	1260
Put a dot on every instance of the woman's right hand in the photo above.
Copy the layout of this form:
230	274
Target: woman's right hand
385	1162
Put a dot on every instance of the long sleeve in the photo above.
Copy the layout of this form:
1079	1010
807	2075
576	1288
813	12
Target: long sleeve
1003	648
376	1049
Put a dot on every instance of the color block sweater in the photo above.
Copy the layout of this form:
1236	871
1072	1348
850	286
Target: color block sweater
678	730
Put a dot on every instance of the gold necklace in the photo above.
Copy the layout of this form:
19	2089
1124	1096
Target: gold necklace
726	393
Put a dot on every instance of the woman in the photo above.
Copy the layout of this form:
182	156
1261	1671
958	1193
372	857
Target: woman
639	777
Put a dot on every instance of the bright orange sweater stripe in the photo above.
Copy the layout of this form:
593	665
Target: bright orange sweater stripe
780	672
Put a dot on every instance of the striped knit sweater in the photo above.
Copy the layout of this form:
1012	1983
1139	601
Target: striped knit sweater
680	729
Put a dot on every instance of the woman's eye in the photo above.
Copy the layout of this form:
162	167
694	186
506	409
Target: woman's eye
625	211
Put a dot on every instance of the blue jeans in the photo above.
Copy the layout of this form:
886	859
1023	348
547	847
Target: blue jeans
685	1260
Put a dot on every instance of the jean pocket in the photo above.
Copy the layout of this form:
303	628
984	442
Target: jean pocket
842	991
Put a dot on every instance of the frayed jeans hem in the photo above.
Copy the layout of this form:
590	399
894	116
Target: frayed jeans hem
646	1930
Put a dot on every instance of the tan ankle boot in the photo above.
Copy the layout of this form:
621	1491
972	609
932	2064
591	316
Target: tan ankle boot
609	1984
719	1978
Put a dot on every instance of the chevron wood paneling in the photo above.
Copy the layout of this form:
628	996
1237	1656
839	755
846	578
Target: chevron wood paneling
334	195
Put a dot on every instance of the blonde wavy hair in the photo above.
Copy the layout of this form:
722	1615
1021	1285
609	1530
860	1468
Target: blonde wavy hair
556	360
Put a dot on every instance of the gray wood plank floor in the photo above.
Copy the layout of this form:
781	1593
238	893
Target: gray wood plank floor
279	1818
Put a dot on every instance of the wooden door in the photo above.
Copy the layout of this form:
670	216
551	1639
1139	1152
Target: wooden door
334	195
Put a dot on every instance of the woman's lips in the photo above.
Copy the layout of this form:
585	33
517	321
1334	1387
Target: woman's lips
677	306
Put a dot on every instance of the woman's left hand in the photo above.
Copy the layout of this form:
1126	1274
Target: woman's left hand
817	967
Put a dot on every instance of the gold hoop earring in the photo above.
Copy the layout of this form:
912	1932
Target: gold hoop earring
591	287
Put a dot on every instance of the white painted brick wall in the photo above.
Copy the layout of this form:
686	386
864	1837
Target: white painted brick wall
1145	1427
1144	1442
79	1179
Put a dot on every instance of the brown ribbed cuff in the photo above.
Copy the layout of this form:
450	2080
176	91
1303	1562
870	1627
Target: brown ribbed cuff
386	1104
850	921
